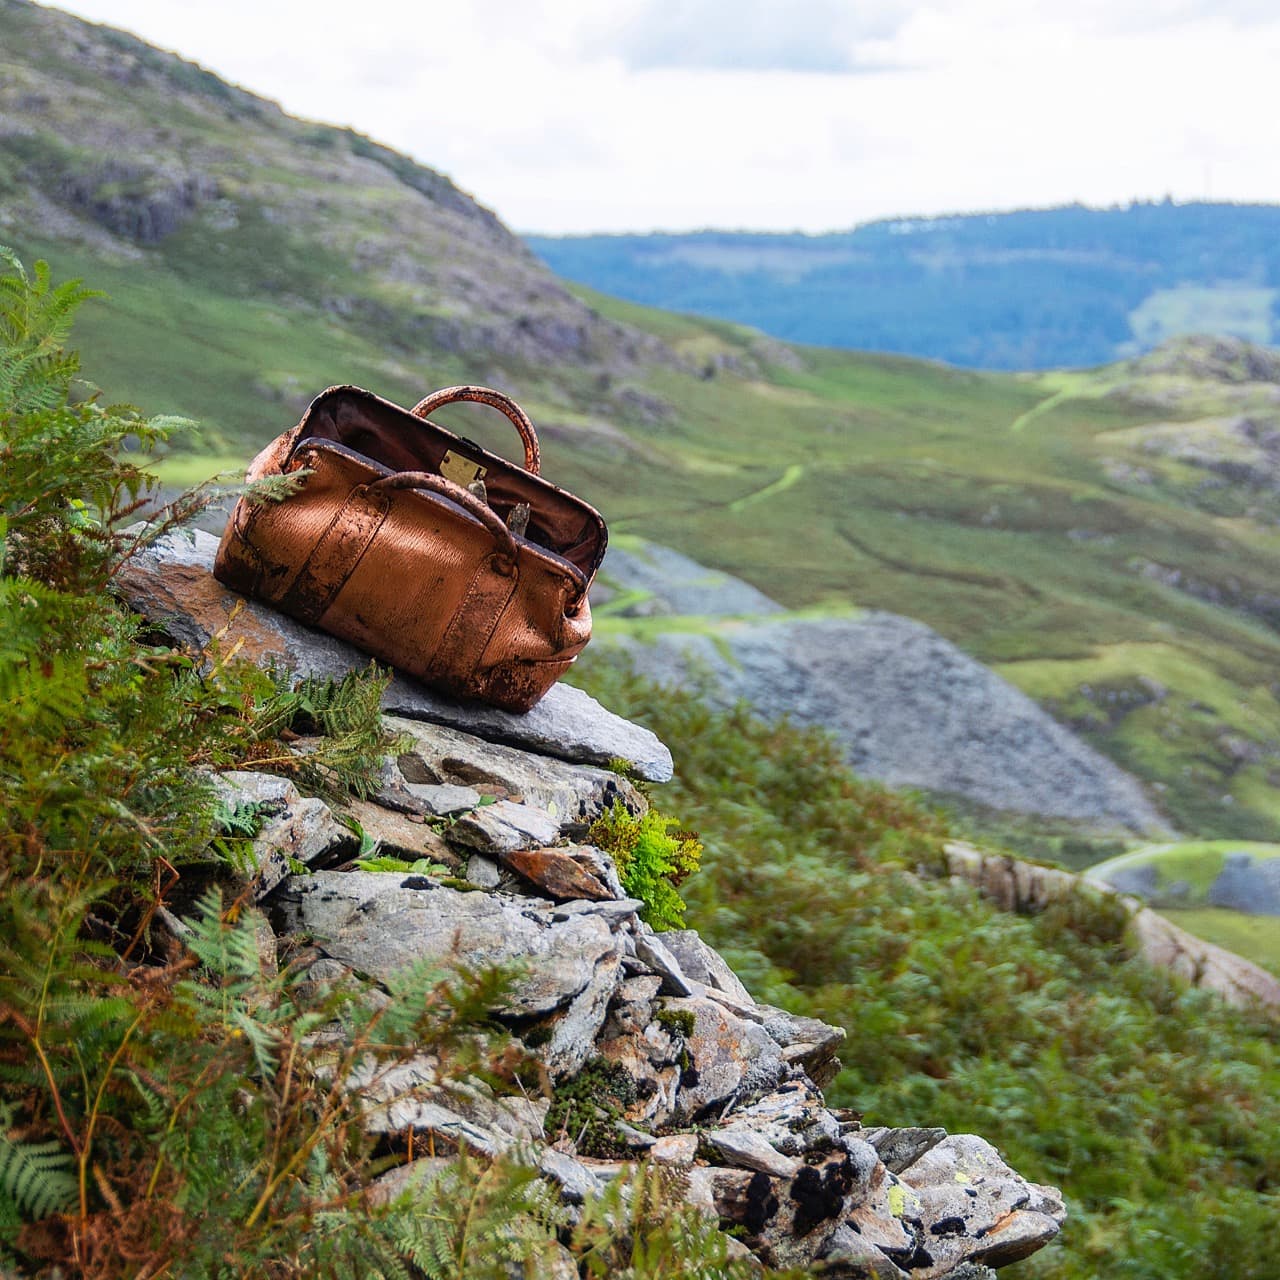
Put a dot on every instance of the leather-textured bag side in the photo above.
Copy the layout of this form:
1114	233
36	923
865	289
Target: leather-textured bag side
380	549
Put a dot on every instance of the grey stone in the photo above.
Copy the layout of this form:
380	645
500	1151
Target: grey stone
651	1058
559	1265
863	1259
730	1059
1238	981
616	911
1247	885
379	923
703	964
567	723
635	1139
406	1180
651	951
744	1148
908	708
677	1149
397	834
974	1208
171	583
441	801
805	1042
483	871
887	1216
571	793
792	1119
639	993
409	1095
900	1148
293	827
791	1221
1140	881
574	1032
504	827
577	1181
400	1114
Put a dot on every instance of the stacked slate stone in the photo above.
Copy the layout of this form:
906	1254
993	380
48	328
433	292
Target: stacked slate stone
723	1088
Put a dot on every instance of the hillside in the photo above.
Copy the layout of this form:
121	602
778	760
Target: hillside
1033	289
231	1048
1108	541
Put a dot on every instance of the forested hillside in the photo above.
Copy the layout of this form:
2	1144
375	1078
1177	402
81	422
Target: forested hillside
1035	289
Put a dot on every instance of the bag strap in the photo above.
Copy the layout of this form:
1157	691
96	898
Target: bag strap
349	534
495	400
506	549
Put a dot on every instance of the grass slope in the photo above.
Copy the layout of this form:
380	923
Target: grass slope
1041	522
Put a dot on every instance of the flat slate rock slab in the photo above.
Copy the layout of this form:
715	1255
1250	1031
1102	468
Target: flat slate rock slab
171	584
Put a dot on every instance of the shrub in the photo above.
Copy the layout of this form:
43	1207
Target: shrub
652	859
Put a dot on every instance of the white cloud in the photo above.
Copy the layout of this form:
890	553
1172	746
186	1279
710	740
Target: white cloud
820	36
564	115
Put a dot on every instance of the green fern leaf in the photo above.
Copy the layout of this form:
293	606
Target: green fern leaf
36	1178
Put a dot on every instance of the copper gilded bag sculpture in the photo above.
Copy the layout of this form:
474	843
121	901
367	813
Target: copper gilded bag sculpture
386	546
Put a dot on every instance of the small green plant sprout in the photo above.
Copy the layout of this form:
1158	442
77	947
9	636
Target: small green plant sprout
677	1023
419	867
652	857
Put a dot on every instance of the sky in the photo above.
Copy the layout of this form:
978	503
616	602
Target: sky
813	115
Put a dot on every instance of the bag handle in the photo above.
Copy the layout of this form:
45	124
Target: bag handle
495	400
468	501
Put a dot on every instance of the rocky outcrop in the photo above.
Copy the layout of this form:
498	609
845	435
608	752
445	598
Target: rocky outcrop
908	707
1248	885
706	1080
1027	888
1242	880
171	583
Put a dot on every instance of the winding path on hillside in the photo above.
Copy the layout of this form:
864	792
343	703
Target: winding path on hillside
1047	405
791	476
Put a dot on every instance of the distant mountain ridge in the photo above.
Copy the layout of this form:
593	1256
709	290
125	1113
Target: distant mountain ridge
1032	289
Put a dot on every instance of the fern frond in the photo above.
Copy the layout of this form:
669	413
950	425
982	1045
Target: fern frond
471	1221
35	1177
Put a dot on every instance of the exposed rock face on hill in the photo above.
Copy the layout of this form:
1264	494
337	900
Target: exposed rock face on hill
910	708
645	580
1221	447
708	1081
1209	357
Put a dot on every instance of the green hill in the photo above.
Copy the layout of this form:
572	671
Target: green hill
1024	290
1108	541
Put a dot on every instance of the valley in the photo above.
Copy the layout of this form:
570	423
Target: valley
1107	541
